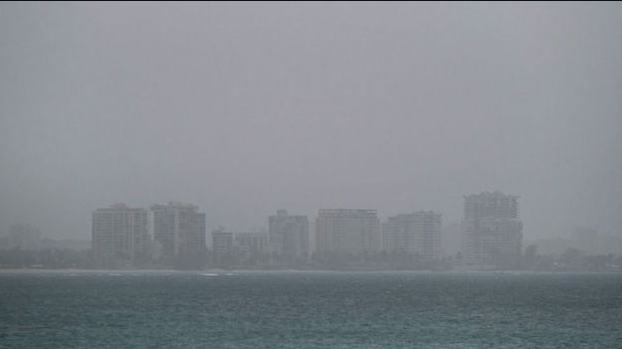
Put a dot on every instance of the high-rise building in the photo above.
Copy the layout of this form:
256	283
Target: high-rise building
120	236
348	231
288	235
180	230
230	248
251	242
417	233
222	245
491	231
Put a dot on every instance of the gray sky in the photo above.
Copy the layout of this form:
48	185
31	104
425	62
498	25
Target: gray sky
249	107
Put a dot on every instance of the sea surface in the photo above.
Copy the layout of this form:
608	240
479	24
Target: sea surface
310	310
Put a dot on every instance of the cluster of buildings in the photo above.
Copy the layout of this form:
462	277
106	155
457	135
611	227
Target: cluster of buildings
491	233
121	235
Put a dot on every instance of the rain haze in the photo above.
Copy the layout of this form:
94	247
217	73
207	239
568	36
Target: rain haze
310	175
246	108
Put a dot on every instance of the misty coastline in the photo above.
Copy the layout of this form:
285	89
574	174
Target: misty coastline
310	175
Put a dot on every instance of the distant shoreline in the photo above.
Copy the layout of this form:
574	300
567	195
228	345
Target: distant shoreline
287	271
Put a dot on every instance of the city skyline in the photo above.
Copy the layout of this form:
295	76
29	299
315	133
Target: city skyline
173	235
246	108
177	227
310	174
382	215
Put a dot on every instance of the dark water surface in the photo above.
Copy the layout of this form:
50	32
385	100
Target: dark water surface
310	310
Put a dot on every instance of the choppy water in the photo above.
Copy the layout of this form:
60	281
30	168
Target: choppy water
310	310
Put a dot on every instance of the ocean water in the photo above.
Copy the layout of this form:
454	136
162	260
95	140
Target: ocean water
310	310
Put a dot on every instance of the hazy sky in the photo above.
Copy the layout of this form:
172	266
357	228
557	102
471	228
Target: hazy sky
246	108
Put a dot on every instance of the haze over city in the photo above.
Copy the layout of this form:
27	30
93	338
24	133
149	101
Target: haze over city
243	109
310	175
